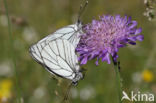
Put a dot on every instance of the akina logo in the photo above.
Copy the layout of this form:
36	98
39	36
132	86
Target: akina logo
138	96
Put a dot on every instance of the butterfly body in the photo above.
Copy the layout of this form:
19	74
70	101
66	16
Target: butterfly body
78	76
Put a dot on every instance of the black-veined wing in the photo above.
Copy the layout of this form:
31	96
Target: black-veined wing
71	33
59	58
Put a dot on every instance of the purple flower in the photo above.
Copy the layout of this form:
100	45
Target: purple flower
104	37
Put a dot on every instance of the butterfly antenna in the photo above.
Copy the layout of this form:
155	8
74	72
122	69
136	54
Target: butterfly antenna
67	92
82	9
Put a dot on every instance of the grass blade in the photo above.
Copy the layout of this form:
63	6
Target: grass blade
12	52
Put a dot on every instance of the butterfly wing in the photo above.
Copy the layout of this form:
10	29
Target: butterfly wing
59	58
71	33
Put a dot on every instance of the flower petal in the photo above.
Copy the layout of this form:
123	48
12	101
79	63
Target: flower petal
106	58
138	31
132	42
140	37
132	38
134	23
97	62
84	60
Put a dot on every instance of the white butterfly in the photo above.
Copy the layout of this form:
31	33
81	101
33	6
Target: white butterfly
59	58
71	33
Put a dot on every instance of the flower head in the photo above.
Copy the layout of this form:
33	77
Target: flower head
5	89
147	75
104	37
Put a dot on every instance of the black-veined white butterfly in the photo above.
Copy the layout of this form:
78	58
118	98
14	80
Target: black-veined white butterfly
71	33
59	58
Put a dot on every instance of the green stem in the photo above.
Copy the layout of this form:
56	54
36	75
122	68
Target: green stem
12	52
118	82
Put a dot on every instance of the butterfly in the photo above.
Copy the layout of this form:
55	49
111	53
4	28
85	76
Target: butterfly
71	33
59	58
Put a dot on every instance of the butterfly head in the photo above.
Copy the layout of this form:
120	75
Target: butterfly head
79	24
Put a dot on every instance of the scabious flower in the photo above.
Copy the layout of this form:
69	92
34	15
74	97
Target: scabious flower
104	37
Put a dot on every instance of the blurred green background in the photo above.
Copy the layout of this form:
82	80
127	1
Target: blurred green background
34	19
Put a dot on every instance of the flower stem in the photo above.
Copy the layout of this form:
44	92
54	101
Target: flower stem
118	80
12	52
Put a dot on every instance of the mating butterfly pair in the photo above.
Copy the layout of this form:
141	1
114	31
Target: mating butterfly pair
56	52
